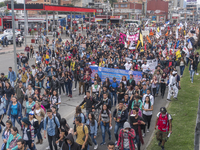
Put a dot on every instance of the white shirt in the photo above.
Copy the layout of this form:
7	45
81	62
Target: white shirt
146	106
150	96
144	67
128	66
25	135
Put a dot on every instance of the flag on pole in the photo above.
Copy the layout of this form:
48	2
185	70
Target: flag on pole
148	39
140	39
190	45
177	33
166	23
158	29
94	14
166	34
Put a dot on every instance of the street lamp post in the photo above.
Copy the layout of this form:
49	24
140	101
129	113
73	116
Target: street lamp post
14	38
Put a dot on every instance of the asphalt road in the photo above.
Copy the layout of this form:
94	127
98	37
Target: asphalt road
67	107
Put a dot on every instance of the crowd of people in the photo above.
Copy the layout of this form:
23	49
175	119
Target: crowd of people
32	96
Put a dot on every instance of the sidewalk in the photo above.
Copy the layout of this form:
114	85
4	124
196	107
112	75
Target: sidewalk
10	49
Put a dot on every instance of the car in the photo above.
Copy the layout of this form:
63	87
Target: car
10	31
10	38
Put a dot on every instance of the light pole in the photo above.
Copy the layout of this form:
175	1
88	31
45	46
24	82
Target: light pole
25	25
14	38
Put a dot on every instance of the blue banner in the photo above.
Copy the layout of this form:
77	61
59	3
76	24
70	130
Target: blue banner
117	73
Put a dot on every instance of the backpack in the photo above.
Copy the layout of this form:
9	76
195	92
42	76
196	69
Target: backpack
85	118
89	140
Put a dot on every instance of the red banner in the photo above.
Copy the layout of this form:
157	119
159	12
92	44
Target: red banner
0	22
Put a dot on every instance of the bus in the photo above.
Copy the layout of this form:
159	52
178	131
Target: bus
132	22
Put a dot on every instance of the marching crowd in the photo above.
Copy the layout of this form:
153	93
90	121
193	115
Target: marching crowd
32	96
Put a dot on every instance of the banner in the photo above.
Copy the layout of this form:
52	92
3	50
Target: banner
178	54
152	65
133	37
117	73
145	33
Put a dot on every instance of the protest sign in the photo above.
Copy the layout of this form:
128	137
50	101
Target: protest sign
145	33
117	73
133	37
152	65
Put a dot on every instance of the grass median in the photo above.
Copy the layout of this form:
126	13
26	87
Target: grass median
184	113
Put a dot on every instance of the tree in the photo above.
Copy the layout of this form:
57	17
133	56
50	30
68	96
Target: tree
2	4
112	1
70	5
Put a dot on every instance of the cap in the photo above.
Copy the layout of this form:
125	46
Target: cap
31	113
174	72
163	109
115	65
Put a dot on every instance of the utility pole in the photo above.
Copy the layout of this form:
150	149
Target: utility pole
25	23
14	38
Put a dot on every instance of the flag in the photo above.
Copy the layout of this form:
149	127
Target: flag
190	45
146	23
177	33
166	34
185	49
177	45
158	29
178	54
94	14
151	33
166	23
140	39
157	35
180	29
148	39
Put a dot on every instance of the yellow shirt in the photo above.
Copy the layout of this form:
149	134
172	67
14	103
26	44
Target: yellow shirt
100	64
80	134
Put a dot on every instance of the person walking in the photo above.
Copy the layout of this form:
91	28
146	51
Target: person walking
172	86
164	124
50	124
120	116
70	144
12	140
12	76
126	138
92	125
137	123
15	111
81	132
147	108
6	133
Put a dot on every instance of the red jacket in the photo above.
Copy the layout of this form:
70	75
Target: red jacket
131	136
88	69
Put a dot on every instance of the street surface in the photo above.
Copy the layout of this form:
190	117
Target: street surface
67	107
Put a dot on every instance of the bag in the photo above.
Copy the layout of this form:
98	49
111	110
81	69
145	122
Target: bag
85	118
89	140
13	143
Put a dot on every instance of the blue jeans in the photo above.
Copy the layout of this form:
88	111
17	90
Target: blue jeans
126	149
12	83
105	129
7	102
181	70
93	140
15	117
157	87
39	136
66	86
87	113
114	94
70	87
138	141
187	60
118	125
192	75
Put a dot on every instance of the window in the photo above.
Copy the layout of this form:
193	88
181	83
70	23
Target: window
44	0
124	5
116	5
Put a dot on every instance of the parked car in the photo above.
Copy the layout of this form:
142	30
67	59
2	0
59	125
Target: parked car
10	39
10	31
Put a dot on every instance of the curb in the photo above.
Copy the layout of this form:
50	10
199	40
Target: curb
153	133
10	51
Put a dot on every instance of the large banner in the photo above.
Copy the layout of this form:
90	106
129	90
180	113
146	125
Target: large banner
133	37
117	73
152	65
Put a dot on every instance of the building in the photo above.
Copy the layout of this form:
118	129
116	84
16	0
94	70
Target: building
128	10
155	12
191	11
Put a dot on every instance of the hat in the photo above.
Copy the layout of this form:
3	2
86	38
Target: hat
26	121
31	113
174	72
2	73
115	66
163	109
127	125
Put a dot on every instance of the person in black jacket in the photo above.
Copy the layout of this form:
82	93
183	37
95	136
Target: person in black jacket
105	100
90	103
54	84
131	81
69	140
120	116
76	75
122	66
